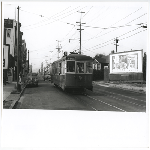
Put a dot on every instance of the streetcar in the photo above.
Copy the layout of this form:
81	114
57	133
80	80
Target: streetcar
73	71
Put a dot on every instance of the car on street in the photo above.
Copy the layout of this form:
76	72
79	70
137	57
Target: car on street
32	79
47	77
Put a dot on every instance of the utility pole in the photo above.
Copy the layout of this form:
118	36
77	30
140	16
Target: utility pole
50	56
18	50
80	31
58	48
28	61
116	40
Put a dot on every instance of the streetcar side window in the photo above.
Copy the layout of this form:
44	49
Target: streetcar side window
70	66
89	67
60	68
63	67
57	68
80	67
54	69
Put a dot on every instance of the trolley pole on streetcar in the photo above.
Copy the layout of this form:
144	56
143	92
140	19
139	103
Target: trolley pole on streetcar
50	56
58	48
80	31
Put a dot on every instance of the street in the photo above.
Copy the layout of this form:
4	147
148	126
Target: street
103	98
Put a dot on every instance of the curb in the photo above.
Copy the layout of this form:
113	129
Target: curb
126	89
114	86
15	101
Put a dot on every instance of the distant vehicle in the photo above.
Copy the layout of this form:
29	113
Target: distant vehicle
74	71
32	79
47	77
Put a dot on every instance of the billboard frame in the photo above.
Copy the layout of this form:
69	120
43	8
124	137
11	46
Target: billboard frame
130	76
127	72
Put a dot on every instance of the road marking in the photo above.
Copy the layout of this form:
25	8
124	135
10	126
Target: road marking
103	85
119	98
105	103
125	101
87	103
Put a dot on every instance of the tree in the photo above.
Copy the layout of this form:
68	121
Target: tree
99	56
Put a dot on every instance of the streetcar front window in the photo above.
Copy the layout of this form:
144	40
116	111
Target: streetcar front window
89	67
80	67
70	66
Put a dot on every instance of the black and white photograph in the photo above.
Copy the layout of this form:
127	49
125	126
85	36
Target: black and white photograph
79	67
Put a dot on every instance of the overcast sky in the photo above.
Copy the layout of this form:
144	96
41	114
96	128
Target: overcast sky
44	24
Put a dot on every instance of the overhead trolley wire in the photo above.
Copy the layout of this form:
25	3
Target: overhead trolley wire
45	19
132	35
112	27
53	21
67	34
117	22
117	28
99	14
119	39
113	38
127	16
87	12
31	12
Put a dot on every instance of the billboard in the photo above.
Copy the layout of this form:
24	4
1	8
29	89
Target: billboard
126	62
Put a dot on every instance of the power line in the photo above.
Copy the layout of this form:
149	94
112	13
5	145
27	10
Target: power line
67	33
52	21
133	34
138	18
46	19
121	39
32	13
87	12
99	14
48	23
129	32
113	27
118	36
117	22
127	15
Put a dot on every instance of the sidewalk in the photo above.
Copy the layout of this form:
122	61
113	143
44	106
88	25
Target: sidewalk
10	95
7	89
135	87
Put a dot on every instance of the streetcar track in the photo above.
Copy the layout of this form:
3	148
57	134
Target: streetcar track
108	104
120	98
86	102
74	95
105	103
123	96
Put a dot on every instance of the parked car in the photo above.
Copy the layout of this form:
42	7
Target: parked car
47	77
32	79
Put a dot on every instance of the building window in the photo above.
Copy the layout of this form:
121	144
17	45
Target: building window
8	33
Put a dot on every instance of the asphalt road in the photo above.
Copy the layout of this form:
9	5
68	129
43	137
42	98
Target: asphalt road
47	96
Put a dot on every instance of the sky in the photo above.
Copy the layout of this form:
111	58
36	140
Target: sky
45	25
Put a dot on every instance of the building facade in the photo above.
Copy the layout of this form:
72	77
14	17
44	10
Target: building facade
10	51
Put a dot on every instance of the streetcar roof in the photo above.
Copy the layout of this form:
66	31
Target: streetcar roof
77	57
